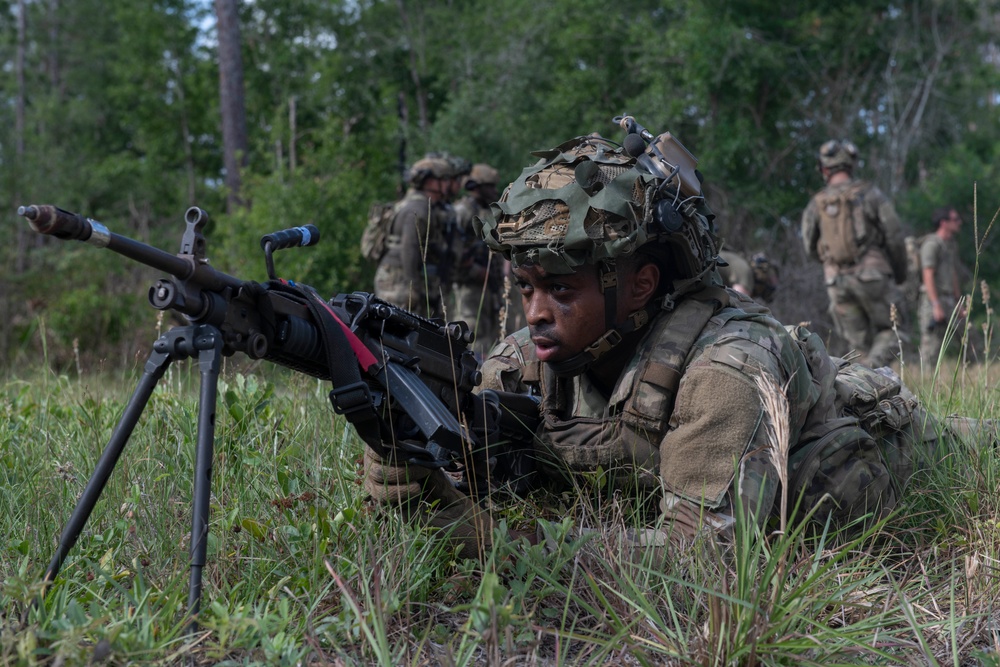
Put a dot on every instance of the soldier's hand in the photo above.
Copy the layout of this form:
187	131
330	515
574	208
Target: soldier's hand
392	483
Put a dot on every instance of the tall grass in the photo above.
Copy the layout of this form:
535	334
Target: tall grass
303	571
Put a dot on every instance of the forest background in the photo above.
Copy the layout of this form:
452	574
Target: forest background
275	113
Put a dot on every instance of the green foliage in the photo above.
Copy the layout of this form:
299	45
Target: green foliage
122	119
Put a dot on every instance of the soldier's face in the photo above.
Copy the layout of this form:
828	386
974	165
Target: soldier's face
565	312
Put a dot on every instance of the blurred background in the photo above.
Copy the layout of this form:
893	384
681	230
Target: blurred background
273	113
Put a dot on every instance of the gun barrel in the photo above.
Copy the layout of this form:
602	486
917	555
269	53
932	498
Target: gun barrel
53	221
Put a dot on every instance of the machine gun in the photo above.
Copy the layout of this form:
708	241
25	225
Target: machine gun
403	381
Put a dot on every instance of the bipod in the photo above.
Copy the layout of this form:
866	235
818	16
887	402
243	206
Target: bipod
203	341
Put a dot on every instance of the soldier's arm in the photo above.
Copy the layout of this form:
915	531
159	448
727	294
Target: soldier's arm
717	447
503	369
929	257
892	232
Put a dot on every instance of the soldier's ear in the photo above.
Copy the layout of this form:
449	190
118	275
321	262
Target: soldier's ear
642	287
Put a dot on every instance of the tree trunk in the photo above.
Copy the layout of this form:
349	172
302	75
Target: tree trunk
21	262
232	102
415	39
291	135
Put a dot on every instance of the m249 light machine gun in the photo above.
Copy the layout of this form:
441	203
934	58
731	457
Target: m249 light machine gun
404	382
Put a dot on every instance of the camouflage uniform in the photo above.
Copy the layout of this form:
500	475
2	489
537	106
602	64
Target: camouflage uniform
478	287
698	448
417	263
942	256
408	275
861	289
682	448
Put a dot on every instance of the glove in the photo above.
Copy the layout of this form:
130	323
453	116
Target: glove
429	496
392	483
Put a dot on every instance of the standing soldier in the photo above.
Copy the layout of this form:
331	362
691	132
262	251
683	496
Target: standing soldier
409	273
939	293
478	281
853	229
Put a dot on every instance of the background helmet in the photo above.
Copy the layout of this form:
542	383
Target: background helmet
838	154
426	167
588	201
481	174
459	167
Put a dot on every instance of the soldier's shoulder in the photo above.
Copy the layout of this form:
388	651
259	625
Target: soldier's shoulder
517	346
737	336
413	199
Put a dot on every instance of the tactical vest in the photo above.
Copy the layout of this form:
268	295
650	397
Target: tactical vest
845	233
836	466
644	398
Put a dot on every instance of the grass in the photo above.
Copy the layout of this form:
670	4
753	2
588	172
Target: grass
302	570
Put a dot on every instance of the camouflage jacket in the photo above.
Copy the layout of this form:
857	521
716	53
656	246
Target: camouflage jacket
697	445
884	248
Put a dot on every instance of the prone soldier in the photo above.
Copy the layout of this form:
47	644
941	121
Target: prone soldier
649	373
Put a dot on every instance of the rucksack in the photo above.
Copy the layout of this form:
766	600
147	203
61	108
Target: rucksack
844	232
374	240
855	465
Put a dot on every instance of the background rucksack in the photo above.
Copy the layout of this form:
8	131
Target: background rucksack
844	232
374	239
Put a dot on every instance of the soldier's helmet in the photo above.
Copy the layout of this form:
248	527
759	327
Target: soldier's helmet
481	174
590	201
430	165
838	154
459	166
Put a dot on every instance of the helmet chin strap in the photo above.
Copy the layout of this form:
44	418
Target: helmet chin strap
582	361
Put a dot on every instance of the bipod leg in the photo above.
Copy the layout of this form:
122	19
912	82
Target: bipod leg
208	342
156	365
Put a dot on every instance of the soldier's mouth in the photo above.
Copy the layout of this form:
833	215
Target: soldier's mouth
545	348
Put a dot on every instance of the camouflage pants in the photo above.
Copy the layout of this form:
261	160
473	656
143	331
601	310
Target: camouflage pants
481	310
932	333
860	305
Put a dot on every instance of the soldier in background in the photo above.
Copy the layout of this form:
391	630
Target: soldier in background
756	278
853	229
410	271
478	277
939	289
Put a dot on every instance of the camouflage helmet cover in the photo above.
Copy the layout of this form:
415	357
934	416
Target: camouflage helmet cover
430	165
588	201
838	154
481	174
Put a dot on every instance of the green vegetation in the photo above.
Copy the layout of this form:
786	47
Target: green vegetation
303	570
112	110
